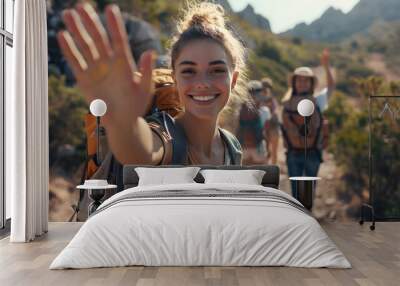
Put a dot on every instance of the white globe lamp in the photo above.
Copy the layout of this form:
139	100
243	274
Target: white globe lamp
305	108
98	108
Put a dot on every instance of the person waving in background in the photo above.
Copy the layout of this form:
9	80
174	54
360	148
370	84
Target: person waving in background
303	84
207	84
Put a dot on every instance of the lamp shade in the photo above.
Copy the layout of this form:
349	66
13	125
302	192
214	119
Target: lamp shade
305	107
98	107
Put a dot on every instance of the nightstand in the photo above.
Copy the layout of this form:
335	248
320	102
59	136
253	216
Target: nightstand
97	190
305	190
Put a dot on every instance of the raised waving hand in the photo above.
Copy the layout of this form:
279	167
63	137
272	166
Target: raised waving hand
103	64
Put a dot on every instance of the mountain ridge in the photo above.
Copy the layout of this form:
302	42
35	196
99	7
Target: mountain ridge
334	25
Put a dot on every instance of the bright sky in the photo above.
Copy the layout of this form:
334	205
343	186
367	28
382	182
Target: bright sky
285	14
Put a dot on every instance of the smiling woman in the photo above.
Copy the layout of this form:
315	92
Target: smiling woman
208	66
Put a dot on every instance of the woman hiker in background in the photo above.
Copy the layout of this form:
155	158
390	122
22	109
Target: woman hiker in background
207	85
303	85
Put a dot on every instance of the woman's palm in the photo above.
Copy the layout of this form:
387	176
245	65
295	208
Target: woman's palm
105	69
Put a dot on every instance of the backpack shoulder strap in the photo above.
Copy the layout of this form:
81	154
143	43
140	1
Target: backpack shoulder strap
234	147
283	128
165	126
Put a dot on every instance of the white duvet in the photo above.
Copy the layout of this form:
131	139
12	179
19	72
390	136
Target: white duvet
221	225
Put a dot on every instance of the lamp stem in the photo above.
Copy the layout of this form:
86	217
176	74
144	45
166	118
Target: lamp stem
305	145
98	140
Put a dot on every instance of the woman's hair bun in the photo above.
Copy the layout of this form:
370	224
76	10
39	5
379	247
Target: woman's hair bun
203	15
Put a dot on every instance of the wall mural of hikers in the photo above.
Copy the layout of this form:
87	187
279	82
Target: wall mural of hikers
256	85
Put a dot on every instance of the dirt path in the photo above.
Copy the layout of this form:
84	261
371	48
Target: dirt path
326	204
377	63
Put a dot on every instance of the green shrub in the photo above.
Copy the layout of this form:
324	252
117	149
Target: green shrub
350	145
297	41
358	71
338	112
67	109
268	50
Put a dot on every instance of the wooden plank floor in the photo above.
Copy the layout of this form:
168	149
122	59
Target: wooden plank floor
375	257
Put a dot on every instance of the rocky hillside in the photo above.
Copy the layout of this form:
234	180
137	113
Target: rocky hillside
381	44
334	25
248	14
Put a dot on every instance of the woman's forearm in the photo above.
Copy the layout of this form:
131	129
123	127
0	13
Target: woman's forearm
329	78
132	142
325	59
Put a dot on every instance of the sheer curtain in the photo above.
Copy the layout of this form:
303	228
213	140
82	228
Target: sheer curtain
27	124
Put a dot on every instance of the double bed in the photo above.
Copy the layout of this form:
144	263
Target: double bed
201	224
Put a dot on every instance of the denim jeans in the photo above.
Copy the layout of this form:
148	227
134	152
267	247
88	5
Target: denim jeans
295	163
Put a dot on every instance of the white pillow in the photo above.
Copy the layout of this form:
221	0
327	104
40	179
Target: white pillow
163	176
248	177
